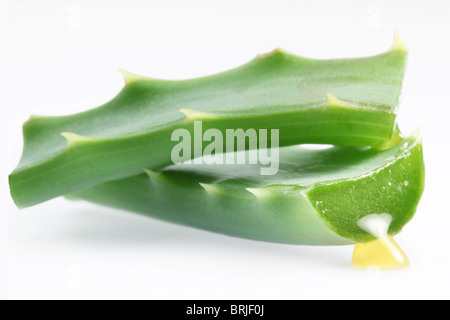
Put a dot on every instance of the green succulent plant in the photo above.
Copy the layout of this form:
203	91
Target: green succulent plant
349	102
119	154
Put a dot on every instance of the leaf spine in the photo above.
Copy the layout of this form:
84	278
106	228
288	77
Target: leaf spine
260	193
156	176
398	44
130	77
211	188
75	139
332	101
192	115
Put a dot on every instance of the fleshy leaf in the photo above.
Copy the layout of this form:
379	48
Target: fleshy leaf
350	102
319	197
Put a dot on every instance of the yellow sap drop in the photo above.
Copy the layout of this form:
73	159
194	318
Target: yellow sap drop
384	254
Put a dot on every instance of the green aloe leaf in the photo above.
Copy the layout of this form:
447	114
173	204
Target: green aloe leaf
317	197
350	102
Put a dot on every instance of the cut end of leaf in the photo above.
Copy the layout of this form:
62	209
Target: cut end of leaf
192	115
393	188
13	193
399	45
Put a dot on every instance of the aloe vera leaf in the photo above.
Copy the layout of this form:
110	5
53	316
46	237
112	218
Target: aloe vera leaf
317	198
348	102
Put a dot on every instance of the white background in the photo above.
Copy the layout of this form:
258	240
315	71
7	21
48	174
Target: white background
62	57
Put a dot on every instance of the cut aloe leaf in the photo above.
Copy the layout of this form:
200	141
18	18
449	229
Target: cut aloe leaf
318	197
350	102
